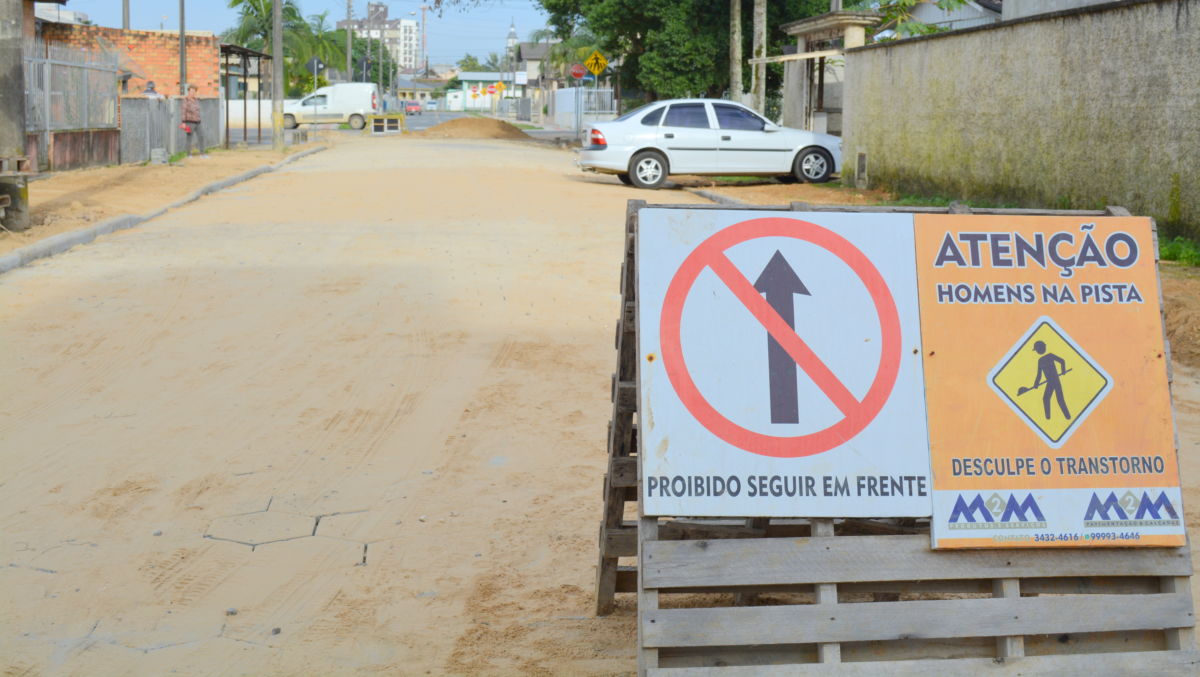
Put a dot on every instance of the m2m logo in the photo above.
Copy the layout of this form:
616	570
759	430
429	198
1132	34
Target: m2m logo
1131	511
997	513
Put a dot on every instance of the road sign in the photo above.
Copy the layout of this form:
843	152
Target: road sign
596	63
578	71
500	87
314	66
780	365
491	89
1050	382
474	88
1046	383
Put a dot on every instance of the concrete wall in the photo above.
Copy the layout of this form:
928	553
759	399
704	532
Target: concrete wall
1076	110
1016	9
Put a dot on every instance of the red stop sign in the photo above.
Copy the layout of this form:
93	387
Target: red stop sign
491	89
578	71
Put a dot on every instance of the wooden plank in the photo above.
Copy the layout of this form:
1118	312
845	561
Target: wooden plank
1133	585
924	619
1156	663
619	541
1180	638
622	471
626	579
792	561
1011	646
626	393
647	599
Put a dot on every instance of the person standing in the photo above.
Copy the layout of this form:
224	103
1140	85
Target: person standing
191	120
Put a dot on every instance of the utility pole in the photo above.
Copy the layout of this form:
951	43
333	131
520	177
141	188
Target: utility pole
277	75
125	14
424	49
182	53
735	50
759	78
349	39
12	111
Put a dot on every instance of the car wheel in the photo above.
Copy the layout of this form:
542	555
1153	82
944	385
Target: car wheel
357	122
648	169
289	121
625	179
813	165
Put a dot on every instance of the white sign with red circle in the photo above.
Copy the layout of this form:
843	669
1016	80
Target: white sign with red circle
780	365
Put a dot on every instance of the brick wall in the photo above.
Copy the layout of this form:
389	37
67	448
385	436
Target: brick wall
153	53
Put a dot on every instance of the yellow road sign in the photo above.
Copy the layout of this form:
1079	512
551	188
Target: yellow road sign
1050	382
596	63
500	87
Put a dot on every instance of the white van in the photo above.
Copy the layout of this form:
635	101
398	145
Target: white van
348	102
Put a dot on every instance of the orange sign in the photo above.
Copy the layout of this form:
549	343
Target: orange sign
1049	412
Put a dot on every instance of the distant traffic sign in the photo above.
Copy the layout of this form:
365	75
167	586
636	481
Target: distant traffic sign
491	89
474	88
500	87
596	63
578	71
315	66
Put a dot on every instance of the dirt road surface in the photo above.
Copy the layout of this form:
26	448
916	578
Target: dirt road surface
347	418
394	352
66	201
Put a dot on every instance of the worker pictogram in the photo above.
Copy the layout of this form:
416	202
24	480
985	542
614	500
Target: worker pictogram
596	63
1050	382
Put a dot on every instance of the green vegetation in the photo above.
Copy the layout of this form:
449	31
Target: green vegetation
1180	249
523	126
302	40
943	201
176	157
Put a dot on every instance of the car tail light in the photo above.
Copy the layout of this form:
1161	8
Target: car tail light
597	139
374	102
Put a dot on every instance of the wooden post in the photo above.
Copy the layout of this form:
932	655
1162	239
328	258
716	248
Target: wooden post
828	652
647	599
1008	647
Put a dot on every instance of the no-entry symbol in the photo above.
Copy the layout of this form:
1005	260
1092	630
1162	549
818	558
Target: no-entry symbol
780	283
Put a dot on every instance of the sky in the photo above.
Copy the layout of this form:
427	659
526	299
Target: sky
477	30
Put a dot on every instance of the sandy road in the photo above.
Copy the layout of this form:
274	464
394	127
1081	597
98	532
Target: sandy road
395	350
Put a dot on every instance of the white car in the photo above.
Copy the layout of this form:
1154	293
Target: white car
705	136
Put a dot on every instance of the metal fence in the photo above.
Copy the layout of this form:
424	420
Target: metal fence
69	89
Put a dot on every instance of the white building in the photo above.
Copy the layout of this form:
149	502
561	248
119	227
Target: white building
401	37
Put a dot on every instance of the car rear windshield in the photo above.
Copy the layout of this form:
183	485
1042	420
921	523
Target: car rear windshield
735	117
651	119
687	115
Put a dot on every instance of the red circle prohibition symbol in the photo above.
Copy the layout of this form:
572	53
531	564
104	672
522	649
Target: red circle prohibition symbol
857	414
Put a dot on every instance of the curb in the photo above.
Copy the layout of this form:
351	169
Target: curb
717	197
57	244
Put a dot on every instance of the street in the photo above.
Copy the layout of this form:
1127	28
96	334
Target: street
349	414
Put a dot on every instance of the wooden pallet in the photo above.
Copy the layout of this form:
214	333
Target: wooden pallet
15	166
761	596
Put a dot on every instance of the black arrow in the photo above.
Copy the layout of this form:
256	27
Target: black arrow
779	283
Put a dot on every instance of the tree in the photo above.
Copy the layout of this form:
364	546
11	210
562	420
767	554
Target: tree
470	64
898	19
253	28
492	65
314	39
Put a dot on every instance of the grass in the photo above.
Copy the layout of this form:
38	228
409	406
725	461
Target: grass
1180	249
522	125
943	201
176	157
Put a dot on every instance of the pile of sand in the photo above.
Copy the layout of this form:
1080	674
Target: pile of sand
1181	305
473	128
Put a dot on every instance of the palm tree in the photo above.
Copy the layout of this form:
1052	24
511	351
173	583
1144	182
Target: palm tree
313	39
253	28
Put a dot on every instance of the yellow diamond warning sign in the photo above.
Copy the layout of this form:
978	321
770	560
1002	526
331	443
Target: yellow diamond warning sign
1050	382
